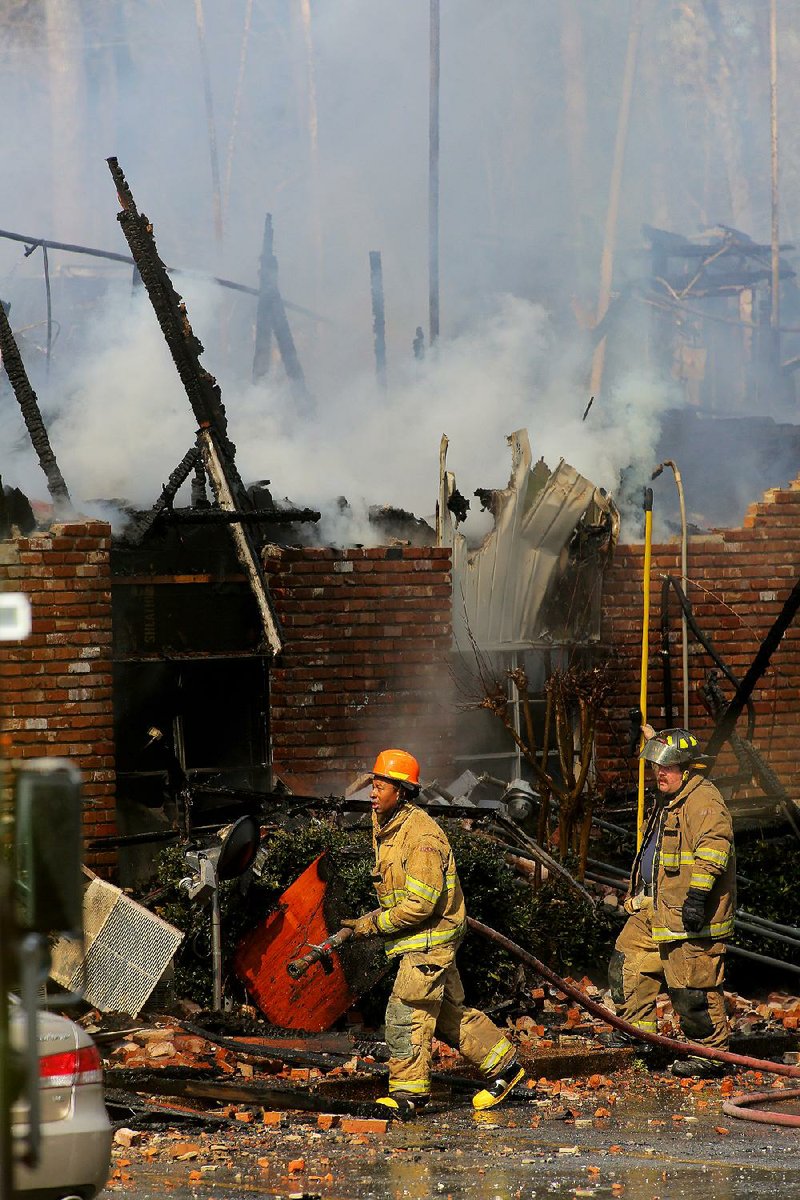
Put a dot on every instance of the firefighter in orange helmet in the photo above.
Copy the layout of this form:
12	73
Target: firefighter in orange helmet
423	919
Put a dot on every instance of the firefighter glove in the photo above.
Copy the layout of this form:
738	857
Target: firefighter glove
694	910
363	927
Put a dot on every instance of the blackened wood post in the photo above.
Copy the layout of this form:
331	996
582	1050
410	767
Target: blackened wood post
378	315
181	473
275	311
31	414
433	176
203	392
267	281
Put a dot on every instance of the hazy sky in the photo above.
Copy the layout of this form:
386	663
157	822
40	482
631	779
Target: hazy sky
320	116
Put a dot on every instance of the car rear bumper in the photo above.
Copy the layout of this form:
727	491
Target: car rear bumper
75	1154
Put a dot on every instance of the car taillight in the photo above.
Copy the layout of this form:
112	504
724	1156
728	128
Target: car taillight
70	1068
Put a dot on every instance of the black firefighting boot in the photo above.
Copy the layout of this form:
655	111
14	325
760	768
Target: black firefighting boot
617	1040
698	1068
402	1106
499	1087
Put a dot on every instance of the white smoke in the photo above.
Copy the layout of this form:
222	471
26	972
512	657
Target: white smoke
123	421
329	133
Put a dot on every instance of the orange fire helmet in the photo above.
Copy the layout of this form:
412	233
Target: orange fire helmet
398	766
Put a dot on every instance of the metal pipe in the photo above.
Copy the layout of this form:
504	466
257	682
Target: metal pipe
668	462
769	935
755	920
666	662
766	959
92	252
648	539
433	174
216	947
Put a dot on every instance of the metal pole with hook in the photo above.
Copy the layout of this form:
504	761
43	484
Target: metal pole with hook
668	462
648	541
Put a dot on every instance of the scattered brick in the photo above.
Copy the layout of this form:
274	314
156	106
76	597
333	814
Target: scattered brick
365	1125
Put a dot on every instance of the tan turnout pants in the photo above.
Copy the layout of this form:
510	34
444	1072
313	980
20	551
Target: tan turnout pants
428	998
693	971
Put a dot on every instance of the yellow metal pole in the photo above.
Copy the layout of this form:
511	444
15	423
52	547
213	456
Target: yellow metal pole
648	542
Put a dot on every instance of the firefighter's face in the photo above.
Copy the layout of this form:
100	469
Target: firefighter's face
668	779
385	797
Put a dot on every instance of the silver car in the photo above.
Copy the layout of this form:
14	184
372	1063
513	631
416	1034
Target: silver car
75	1131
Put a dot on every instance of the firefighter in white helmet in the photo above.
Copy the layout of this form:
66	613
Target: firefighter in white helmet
423	919
681	903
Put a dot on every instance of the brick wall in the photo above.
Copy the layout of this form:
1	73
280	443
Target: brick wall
55	687
366	660
739	581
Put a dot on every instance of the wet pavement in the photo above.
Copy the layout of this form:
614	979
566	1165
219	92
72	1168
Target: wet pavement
634	1135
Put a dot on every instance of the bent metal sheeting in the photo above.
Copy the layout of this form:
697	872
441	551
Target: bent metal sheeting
500	589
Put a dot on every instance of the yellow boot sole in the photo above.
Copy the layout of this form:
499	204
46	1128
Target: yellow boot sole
486	1099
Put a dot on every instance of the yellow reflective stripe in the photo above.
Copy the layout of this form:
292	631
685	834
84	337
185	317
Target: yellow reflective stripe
675	859
498	1052
652	1026
718	929
715	856
415	887
424	941
419	1087
389	899
384	924
704	882
451	881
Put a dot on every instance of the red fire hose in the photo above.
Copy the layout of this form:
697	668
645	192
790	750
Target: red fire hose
605	1014
740	1108
695	1049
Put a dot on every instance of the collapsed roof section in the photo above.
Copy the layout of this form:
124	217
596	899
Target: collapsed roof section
537	575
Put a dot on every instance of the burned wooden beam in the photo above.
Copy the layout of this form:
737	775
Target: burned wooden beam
31	414
181	473
204	395
217	516
278	1097
267	280
245	551
201	387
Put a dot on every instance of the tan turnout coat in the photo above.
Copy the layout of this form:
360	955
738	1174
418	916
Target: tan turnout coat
694	849
422	905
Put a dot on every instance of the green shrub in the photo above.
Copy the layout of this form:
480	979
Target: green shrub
553	923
